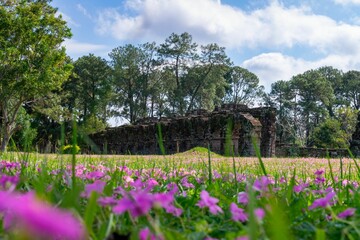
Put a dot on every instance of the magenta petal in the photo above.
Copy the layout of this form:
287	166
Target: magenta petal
347	213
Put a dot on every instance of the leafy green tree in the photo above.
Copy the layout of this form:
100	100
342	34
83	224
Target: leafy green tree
204	81
243	86
25	136
314	94
134	79
329	134
179	52
282	96
335	78
351	83
32	61
89	91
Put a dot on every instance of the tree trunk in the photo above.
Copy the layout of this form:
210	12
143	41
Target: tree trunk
5	139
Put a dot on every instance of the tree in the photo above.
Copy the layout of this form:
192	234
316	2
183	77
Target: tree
32	61
89	89
204	81
329	135
179	53
243	86
335	78
134	78
314	94
282	96
351	83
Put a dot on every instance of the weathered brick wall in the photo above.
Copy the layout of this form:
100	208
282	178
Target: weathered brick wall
198	128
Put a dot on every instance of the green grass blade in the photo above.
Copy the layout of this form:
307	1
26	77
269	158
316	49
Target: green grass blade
90	212
209	163
258	154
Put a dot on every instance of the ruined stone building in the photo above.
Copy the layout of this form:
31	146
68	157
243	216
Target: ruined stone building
235	125
355	141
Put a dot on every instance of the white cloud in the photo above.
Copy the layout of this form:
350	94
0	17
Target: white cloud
274	66
346	2
270	67
77	49
83	10
273	26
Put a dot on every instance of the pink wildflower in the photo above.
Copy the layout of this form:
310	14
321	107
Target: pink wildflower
259	213
38	219
238	214
323	202
243	198
146	234
8	181
137	203
299	188
319	172
347	213
97	186
210	202
262	184
172	188
166	200
95	175
151	182
107	201
185	183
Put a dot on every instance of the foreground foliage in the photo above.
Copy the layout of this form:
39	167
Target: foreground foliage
176	197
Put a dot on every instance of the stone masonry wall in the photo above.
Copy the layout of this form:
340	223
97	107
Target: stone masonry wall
199	128
355	142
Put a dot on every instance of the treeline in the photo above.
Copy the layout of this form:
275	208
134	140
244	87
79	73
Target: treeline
43	91
137	81
317	108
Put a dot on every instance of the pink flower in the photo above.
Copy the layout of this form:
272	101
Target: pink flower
210	202
185	183
319	172
299	188
38	219
107	201
262	184
347	213
97	186
8	181
146	234
95	175
323	202
259	213
172	188
166	200
238	214
243	198
137	203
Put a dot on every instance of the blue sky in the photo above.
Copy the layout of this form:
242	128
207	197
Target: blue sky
274	39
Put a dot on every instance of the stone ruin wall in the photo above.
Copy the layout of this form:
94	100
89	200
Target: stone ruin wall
355	142
199	128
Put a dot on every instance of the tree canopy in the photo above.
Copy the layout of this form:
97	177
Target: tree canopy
32	60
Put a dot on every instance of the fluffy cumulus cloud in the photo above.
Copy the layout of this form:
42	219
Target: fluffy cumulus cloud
270	67
274	28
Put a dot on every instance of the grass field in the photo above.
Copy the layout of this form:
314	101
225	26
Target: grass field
184	196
